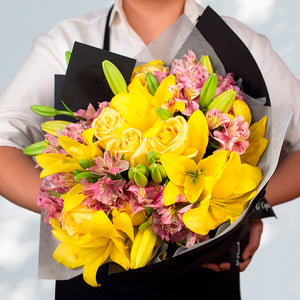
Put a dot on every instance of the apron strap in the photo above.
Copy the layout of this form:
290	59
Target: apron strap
106	31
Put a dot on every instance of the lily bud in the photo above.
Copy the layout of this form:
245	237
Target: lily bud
47	111
208	90
206	63
152	83
241	108
163	114
114	78
68	56
153	156
142	247
35	149
139	175
223	102
158	173
53	126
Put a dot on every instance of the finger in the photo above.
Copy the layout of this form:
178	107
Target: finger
245	264
255	232
213	267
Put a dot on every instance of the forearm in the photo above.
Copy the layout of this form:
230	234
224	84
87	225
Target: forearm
19	179
284	185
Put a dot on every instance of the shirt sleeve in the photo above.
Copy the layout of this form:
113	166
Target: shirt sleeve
283	86
33	84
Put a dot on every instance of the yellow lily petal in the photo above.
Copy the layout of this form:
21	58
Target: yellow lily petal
197	136
72	256
90	269
136	107
122	222
74	197
213	164
171	192
119	254
196	219
53	163
241	108
101	226
193	187
177	167
162	93
229	178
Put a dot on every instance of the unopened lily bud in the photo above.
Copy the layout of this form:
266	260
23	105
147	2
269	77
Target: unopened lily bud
114	78
142	247
208	91
47	111
206	63
163	114
143	169
223	102
241	108
152	83
35	149
140	179
153	156
139	175
53	126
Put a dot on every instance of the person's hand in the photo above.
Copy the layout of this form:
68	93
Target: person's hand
255	232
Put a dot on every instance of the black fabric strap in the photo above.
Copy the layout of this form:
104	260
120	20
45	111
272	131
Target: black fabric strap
106	31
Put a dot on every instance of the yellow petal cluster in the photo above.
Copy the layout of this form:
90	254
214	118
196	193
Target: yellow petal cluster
219	186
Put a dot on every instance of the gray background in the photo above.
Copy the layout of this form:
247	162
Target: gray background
274	273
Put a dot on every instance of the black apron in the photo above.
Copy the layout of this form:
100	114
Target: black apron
182	276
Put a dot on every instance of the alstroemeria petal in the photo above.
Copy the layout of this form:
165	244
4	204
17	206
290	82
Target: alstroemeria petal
177	167
171	192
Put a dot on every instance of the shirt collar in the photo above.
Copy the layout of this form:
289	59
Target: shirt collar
191	9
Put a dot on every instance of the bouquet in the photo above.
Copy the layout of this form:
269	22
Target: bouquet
160	166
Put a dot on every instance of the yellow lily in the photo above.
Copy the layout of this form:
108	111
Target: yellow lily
229	194
187	177
257	143
56	163
138	106
102	243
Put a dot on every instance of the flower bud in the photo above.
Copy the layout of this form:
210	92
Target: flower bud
152	83
163	114
47	111
142	247
206	63
53	126
208	91
114	78
158	173
140	179
223	102
153	156
35	149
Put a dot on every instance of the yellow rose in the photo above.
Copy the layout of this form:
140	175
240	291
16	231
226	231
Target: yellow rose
75	221
152	66
106	124
165	136
128	142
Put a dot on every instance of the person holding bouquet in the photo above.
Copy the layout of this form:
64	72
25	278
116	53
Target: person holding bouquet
132	26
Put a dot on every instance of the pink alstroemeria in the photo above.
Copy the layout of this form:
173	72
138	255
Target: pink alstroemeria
106	194
109	164
90	113
139	197
234	137
216	118
227	83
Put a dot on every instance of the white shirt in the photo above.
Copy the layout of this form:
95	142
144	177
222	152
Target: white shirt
34	82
